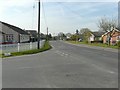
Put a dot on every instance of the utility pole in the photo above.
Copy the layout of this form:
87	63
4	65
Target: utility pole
39	25
47	33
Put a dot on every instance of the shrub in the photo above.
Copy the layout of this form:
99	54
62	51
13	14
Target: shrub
118	44
86	41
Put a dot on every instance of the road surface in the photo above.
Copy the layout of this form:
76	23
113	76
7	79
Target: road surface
64	66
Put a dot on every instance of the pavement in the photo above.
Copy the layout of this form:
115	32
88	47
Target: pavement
64	66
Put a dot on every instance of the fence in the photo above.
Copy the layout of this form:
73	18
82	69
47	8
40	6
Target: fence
8	48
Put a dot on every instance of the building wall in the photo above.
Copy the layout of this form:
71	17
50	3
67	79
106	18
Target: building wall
105	39
91	38
8	31
0	33
1	38
0	26
115	37
15	35
24	38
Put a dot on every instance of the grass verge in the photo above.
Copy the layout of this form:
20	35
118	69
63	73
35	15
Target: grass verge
94	44
45	47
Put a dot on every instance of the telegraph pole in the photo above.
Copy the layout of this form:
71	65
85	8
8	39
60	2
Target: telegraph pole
38	24
47	33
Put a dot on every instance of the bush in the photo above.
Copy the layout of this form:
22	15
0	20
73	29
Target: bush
86	41
118	44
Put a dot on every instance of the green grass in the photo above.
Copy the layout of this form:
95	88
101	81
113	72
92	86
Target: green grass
45	47
94	44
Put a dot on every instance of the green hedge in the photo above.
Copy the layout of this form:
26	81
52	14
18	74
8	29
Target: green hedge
118	44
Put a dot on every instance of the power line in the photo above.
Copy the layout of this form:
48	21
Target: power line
33	7
44	15
45	20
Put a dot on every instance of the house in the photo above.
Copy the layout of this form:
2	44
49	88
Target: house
13	34
42	36
33	35
96	36
115	36
81	37
2	35
68	36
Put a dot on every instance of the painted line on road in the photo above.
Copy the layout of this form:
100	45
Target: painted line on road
61	53
102	69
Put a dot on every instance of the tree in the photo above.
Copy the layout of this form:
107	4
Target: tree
49	36
61	35
77	35
77	32
86	33
74	37
107	24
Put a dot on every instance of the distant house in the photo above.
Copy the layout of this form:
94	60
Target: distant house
42	36
13	34
81	37
68	36
33	35
115	36
96	36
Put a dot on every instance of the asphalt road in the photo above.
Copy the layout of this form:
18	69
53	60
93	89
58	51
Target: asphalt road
64	66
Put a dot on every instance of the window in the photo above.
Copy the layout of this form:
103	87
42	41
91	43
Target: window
118	37
9	38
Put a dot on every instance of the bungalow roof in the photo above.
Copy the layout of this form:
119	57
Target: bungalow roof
98	34
17	29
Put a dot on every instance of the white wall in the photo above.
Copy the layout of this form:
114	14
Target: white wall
0	26
24	38
91	38
1	37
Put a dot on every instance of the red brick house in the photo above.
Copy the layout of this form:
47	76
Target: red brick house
115	36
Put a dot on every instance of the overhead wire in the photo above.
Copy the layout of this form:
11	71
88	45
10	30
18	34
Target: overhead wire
33	9
44	15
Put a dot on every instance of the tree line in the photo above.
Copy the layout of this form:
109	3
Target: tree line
104	24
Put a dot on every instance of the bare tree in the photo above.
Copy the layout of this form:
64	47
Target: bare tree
105	24
61	35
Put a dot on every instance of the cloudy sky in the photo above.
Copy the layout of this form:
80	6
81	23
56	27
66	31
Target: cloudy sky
57	15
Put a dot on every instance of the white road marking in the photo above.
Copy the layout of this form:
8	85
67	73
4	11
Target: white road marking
61	53
102	69
66	54
25	67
